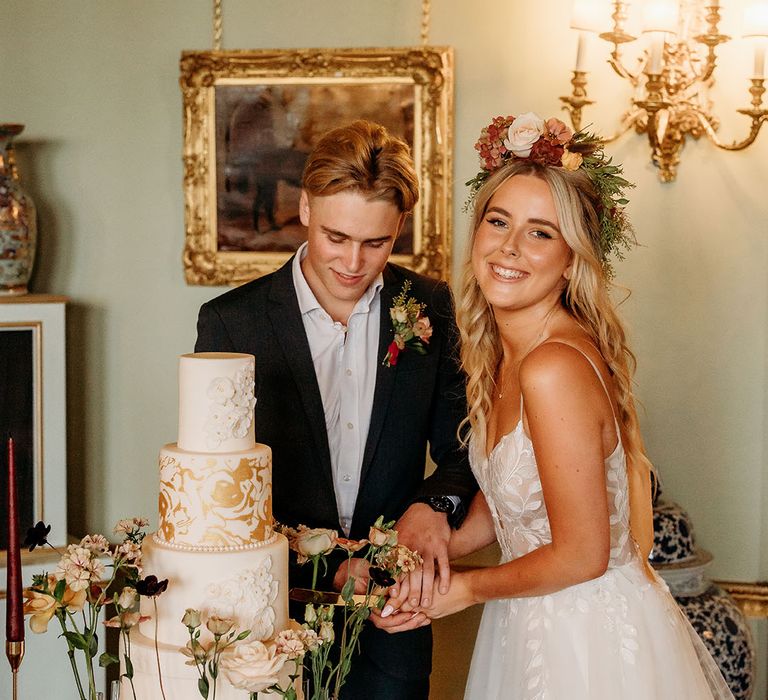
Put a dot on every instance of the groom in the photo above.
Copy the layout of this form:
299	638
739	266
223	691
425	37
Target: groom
348	433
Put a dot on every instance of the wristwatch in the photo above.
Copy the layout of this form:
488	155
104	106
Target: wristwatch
440	504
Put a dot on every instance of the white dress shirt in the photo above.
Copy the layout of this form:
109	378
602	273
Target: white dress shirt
345	365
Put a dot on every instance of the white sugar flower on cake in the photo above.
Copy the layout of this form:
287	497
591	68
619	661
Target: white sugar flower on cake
248	598
230	413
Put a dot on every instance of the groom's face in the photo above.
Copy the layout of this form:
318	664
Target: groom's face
349	242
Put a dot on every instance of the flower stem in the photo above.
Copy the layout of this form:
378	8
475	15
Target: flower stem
157	651
127	634
71	654
315	564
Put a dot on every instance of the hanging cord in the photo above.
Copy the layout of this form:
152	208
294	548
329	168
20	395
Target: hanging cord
425	8
217	24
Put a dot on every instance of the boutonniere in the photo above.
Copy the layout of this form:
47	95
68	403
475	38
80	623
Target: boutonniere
412	328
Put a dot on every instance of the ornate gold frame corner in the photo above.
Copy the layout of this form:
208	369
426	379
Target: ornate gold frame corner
428	68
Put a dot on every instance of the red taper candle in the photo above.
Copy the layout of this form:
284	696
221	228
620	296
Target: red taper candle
14	623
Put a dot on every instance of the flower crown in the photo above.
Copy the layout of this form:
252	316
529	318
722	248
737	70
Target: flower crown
552	143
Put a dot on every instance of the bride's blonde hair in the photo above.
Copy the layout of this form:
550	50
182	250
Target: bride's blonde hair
586	298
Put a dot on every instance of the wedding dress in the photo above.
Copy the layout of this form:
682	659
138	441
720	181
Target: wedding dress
617	637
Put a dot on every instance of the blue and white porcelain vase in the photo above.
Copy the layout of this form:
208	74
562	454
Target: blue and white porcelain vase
18	220
715	616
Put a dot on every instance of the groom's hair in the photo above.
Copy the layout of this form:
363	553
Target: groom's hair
363	157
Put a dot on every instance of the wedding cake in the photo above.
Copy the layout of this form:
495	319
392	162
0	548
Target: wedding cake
214	543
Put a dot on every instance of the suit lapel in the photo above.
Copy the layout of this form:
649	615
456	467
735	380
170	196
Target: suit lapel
287	323
385	376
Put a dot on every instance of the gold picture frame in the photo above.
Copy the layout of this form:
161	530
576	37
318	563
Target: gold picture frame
251	116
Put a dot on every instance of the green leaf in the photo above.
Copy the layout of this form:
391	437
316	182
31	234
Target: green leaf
128	666
349	589
107	659
202	686
76	640
242	635
58	592
93	648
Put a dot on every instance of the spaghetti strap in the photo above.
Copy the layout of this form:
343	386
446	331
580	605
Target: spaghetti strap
602	381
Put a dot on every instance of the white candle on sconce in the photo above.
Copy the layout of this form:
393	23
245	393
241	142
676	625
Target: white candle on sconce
655	63
756	28
581	52
586	18
758	70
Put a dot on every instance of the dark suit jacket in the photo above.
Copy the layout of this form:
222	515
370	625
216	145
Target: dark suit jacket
419	401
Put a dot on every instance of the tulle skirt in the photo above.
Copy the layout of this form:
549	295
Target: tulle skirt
618	637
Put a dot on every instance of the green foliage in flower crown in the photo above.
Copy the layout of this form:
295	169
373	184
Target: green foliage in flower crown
616	233
557	146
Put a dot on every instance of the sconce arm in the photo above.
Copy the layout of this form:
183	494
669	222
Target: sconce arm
758	119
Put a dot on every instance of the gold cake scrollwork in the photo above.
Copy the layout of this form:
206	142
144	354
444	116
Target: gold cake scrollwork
428	69
215	502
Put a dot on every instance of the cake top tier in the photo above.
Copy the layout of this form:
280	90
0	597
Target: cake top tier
216	402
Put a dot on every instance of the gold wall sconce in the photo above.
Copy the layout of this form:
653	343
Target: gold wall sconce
673	72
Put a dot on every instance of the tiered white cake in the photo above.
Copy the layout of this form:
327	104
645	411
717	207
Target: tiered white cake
214	542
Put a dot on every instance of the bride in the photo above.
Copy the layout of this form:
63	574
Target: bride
573	611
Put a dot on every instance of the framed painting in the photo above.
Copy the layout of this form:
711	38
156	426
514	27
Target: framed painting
33	411
252	117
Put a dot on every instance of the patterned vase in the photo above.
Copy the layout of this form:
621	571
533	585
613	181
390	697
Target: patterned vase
714	615
18	221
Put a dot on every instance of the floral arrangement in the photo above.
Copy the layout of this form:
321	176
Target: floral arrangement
552	143
90	575
387	560
255	666
252	665
412	329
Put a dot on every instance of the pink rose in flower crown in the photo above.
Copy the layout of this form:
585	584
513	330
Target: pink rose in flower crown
524	132
558	130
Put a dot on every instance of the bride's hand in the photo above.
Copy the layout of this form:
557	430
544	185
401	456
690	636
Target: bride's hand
397	615
458	597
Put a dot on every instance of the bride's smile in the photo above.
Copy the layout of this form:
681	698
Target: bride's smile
519	254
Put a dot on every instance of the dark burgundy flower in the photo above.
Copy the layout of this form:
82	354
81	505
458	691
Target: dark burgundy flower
547	152
150	587
37	536
381	577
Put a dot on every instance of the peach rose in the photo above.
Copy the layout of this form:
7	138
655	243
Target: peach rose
311	542
571	161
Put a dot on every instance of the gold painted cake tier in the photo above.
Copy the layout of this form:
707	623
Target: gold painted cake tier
215	502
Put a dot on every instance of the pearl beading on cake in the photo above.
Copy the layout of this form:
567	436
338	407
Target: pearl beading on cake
215	548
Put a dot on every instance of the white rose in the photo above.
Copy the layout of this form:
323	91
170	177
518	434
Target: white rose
399	314
524	132
314	541
252	666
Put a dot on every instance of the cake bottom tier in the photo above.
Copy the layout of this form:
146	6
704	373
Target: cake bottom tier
249	586
179	680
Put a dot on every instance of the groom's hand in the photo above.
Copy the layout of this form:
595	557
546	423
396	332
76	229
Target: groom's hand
427	532
356	568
